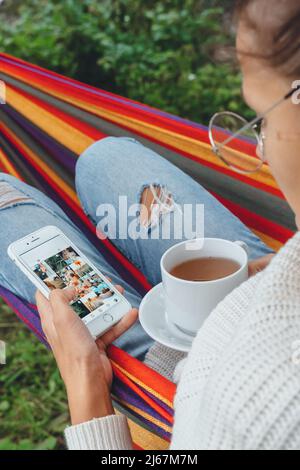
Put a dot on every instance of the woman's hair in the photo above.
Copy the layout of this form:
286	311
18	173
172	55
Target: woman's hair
276	28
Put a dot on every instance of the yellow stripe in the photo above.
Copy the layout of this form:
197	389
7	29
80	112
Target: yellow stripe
7	165
181	142
144	386
147	416
187	144
47	169
145	439
77	141
61	131
271	242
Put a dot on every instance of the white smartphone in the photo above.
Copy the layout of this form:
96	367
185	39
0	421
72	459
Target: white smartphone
51	261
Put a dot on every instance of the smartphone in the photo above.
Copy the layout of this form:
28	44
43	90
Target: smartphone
51	261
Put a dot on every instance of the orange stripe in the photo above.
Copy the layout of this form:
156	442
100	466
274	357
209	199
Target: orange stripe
179	142
271	242
147	416
70	197
45	169
143	438
146	387
75	123
122	376
7	165
186	144
56	128
148	378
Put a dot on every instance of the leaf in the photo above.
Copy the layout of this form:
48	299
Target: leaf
7	444
4	405
47	444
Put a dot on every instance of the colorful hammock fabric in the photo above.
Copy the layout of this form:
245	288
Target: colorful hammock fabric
47	122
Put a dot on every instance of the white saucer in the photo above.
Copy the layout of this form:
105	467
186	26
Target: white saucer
154	320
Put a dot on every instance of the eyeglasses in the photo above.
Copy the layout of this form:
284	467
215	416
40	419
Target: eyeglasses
238	143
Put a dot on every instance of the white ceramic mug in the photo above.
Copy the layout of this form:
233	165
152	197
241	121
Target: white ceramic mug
188	303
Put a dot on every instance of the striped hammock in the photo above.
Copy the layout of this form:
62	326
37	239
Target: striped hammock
47	122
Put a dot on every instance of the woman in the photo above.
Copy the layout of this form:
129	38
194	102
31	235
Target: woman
238	387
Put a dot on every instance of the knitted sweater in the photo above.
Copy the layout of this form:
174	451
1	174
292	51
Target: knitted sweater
239	387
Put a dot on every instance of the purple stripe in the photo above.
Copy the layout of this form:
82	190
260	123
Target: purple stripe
26	312
152	426
123	272
159	402
58	152
122	392
104	95
125	393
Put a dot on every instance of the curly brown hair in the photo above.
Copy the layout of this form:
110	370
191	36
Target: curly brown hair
276	24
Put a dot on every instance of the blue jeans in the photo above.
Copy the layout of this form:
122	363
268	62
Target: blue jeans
106	170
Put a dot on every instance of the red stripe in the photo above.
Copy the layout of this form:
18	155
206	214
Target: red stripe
136	447
164	122
241	145
148	376
72	121
105	101
253	220
183	128
219	169
129	383
257	222
3	168
17	60
77	209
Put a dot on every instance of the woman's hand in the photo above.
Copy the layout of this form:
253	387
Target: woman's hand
82	361
259	264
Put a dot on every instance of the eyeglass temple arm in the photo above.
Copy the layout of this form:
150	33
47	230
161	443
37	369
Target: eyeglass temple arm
259	118
290	93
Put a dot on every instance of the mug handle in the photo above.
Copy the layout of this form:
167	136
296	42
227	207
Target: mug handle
243	245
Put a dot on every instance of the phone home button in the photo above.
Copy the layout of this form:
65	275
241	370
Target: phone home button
107	317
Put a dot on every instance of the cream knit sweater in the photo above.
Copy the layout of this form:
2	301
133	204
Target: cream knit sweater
239	387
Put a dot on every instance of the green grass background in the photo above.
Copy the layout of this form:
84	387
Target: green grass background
33	407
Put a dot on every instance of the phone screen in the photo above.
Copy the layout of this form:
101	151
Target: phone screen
58	265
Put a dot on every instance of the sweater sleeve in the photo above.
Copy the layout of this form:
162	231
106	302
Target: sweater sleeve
108	433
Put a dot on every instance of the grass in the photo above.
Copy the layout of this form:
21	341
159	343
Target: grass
33	405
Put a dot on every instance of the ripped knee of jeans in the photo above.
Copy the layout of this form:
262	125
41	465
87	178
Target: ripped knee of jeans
156	201
10	196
